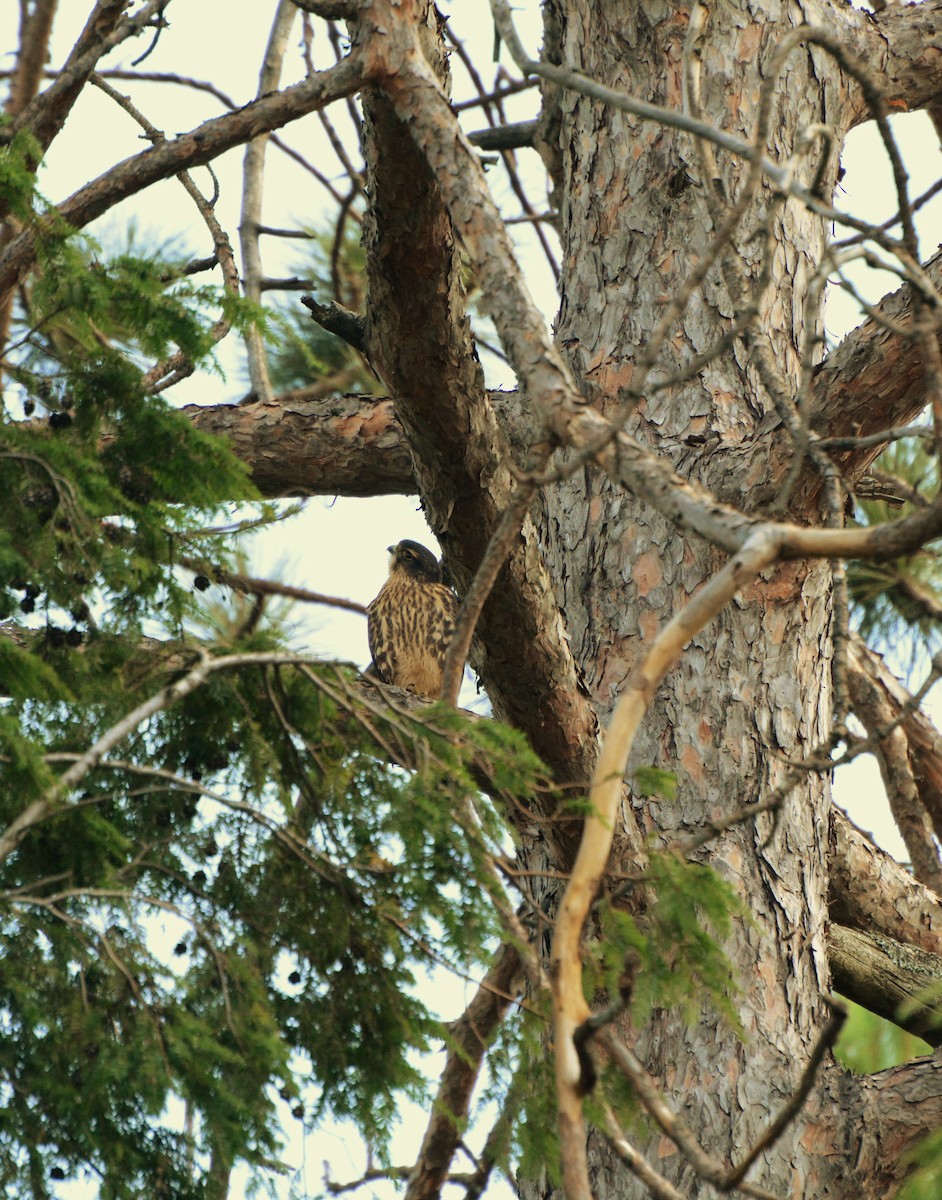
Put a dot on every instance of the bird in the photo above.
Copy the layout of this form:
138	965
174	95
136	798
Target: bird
411	620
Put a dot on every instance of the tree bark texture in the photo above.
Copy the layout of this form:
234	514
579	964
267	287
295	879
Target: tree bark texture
754	688
755	685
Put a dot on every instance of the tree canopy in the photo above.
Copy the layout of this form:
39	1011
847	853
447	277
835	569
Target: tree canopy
232	873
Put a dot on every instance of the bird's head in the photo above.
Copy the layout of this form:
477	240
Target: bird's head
417	562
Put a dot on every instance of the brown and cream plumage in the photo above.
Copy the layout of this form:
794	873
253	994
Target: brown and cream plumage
411	621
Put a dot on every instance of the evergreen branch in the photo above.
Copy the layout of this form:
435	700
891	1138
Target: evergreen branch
178	365
40	808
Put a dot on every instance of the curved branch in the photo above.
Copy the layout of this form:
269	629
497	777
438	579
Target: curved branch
569	1003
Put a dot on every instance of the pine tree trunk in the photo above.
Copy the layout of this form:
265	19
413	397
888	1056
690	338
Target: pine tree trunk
753	689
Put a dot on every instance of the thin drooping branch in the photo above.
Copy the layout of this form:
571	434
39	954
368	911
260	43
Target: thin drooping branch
178	365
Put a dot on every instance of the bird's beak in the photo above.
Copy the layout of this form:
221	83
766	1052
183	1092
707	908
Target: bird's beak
390	549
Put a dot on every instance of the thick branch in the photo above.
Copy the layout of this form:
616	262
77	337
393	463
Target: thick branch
420	340
469	1038
305	444
885	976
870	891
873	380
901	44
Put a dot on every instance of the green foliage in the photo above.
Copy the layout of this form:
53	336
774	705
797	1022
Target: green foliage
239	905
869	1043
18	158
654	781
674	959
925	1181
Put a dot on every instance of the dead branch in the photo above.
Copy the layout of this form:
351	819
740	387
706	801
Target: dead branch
468	1039
253	164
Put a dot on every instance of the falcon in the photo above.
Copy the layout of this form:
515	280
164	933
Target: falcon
411	621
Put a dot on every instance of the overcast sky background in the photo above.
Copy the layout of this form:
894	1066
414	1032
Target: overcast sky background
339	547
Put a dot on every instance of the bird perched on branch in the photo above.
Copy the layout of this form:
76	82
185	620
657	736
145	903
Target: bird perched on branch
411	621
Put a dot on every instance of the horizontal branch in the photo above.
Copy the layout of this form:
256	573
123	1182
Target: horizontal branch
887	977
870	891
306	444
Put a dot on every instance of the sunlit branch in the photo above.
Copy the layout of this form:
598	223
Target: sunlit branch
569	1003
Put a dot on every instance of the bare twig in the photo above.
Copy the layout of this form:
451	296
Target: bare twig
476	596
251	214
